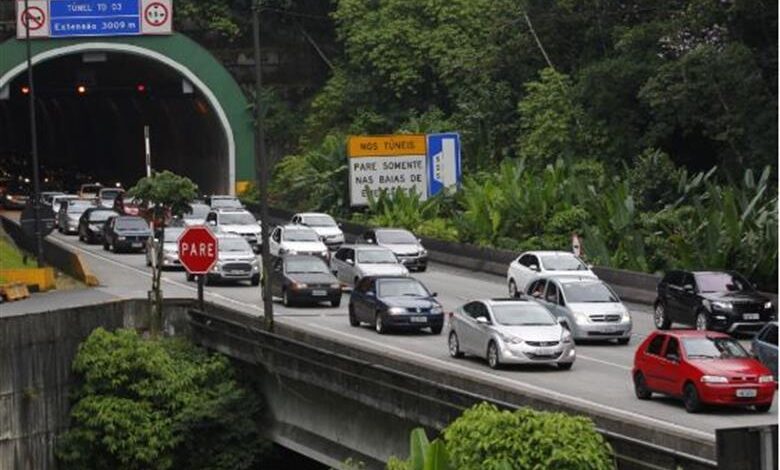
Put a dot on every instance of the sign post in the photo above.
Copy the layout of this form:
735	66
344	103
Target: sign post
198	252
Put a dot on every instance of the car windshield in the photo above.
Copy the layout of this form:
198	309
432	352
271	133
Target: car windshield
59	199
100	216
522	315
172	234
722	282
395	237
110	193
134	223
78	208
562	262
306	265
298	235
225	202
319	221
199	211
401	287
233	244
713	348
376	257
241	218
589	292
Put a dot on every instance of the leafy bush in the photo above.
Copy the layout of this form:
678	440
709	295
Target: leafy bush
423	454
484	438
653	179
157	404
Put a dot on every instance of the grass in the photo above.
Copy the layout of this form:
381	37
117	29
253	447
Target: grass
11	257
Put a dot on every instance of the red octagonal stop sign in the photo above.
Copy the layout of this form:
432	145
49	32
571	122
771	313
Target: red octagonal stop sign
198	249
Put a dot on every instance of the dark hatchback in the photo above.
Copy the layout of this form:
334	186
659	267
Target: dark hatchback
91	224
711	300
299	278
395	302
125	233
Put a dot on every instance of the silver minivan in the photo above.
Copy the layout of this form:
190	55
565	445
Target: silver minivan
510	331
353	262
590	308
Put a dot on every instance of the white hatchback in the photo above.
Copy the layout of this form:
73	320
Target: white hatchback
532	264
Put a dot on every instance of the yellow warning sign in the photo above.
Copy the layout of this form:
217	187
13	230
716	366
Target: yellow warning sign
385	145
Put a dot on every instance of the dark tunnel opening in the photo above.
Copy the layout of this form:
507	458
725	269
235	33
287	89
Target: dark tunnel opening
91	110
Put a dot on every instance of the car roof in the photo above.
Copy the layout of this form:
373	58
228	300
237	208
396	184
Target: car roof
296	227
222	196
225	210
287	257
228	235
548	253
361	247
306	214
508	301
379	277
574	279
396	229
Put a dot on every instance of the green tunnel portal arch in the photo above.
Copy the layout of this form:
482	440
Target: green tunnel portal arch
185	57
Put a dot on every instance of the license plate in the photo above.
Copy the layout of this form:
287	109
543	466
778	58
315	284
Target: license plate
746	392
545	351
751	316
137	245
419	320
319	293
609	329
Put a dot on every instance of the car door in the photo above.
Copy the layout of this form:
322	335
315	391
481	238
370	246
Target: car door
337	262
767	347
275	241
347	268
552	300
368	237
668	372
673	295
467	335
277	277
688	300
482	331
525	272
652	366
211	219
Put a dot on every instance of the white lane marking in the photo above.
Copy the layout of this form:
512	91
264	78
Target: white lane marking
499	378
515	383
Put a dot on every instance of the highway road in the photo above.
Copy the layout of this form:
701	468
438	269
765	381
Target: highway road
600	378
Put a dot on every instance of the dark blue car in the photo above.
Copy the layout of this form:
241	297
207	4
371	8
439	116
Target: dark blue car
395	302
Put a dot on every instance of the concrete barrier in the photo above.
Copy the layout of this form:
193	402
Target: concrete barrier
42	278
54	254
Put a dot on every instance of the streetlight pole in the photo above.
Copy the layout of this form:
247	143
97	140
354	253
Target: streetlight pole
34	139
261	161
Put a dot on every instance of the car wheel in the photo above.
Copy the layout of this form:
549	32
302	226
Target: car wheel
660	319
437	329
379	325
640	387
513	288
286	301
691	398
256	280
623	341
763	408
702	322
422	269
454	345
565	365
492	356
336	302
353	321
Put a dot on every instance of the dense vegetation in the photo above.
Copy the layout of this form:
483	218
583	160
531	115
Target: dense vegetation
157	404
649	127
487	438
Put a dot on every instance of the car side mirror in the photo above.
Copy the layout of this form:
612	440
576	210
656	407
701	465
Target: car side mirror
563	323
590	266
339	224
350	262
688	287
483	321
371	293
673	357
213	223
534	267
369	240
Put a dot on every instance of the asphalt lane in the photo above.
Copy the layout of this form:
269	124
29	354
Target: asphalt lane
600	378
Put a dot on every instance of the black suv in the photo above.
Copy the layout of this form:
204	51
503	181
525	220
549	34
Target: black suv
125	232
711	300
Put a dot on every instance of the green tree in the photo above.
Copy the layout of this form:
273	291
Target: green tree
157	404
166	195
485	438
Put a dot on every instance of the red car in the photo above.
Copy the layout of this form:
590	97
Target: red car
702	368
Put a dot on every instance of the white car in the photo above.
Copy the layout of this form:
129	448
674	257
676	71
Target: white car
56	202
297	240
197	214
324	225
532	264
353	262
236	261
225	202
238	221
170	258
106	196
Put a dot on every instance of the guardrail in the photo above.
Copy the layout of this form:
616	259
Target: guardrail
630	285
53	253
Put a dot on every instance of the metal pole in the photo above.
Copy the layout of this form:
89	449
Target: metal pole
147	148
201	280
261	159
34	139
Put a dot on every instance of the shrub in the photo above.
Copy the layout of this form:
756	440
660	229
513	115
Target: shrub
483	438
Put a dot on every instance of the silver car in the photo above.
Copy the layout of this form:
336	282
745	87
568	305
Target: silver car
510	331
353	262
236	261
764	346
70	212
590	308
170	258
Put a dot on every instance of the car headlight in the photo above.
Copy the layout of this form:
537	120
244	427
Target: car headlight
766	379
718	304
767	305
298	285
324	254
565	336
335	286
396	310
714	379
120	238
436	310
580	317
511	339
626	316
423	252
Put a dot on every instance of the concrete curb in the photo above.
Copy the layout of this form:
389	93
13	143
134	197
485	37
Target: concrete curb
54	253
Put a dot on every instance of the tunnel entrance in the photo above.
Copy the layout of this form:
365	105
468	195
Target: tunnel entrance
93	100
